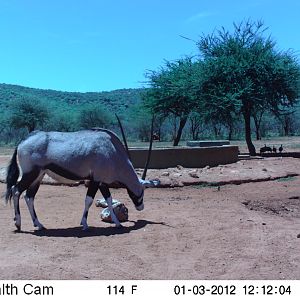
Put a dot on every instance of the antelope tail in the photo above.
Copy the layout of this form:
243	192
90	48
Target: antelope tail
12	176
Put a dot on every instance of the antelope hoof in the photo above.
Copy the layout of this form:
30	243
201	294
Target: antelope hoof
85	228
39	228
38	225
84	225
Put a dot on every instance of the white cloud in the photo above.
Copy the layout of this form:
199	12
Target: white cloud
201	15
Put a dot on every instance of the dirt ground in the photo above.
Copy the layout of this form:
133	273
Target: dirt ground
246	226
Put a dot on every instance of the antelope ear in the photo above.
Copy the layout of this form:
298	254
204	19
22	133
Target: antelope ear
149	183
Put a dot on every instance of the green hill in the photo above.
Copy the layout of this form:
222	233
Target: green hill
116	101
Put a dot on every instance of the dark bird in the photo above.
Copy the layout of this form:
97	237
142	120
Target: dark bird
274	149
265	149
280	148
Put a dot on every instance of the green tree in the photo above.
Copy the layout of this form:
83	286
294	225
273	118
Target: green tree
62	121
28	112
93	116
244	73
196	125
173	91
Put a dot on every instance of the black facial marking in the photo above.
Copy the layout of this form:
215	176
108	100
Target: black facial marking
137	200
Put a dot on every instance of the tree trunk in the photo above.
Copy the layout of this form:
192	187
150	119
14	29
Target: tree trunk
286	126
230	132
217	131
182	123
257	134
247	119
174	125
257	128
195	125
195	132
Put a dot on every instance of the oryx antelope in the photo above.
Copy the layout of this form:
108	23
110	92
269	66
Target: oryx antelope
94	155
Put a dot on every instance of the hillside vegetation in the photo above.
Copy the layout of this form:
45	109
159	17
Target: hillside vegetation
64	110
118	100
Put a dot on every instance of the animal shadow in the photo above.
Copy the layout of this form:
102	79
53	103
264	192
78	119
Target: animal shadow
93	231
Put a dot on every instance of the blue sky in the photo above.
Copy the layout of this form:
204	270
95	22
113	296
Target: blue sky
102	45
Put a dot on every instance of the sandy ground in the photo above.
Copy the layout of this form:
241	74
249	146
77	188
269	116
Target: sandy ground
249	230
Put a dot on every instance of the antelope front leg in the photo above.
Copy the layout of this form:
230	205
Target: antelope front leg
111	211
91	192
107	196
88	203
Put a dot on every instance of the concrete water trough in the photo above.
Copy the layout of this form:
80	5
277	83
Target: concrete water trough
208	143
188	157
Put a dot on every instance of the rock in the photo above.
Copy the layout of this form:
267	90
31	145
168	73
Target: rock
102	203
176	175
120	210
193	174
165	173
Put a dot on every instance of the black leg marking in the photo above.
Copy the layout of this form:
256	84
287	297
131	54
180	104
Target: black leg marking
104	190
32	190
27	179
92	188
30	193
107	196
85	214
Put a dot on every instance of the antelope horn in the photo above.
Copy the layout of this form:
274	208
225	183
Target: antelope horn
123	136
149	151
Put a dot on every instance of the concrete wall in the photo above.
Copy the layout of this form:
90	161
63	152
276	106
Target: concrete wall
196	157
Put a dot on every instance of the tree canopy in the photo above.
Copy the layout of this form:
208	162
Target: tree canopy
239	73
244	73
93	116
173	90
28	113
